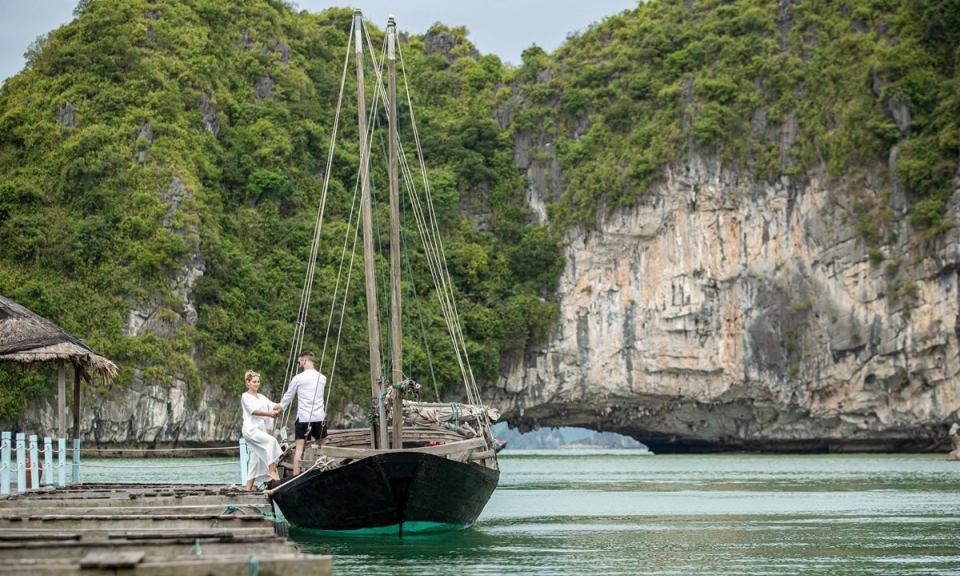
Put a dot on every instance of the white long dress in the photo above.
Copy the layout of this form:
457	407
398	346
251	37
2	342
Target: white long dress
264	448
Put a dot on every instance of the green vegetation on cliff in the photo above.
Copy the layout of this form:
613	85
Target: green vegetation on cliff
148	142
774	88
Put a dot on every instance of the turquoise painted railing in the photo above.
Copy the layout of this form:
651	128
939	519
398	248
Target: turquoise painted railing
17	451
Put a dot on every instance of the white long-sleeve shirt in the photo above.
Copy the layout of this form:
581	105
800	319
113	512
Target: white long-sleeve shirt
308	387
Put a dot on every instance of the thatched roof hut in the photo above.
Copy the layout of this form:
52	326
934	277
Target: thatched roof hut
27	338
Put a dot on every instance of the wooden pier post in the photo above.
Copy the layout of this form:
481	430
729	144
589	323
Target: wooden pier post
62	461
5	463
34	463
76	460
21	464
48	461
61	401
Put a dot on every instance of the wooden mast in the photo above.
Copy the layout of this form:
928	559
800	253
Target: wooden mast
369	272
396	333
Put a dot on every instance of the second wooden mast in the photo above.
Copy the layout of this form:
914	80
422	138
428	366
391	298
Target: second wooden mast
396	332
369	271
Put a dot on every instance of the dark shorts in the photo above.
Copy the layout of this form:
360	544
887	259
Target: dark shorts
318	430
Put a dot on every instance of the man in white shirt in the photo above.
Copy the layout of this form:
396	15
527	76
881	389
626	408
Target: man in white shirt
311	416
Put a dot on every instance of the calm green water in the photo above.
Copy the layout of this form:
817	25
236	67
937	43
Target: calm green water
624	512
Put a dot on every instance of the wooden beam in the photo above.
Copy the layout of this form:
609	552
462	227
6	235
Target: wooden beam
442	449
76	401
61	402
112	560
482	455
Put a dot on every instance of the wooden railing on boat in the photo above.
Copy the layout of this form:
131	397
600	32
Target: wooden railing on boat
344	446
360	437
438	450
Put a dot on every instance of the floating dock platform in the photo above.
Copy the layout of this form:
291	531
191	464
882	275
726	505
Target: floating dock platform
148	530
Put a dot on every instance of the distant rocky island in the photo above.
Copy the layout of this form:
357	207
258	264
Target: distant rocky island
565	438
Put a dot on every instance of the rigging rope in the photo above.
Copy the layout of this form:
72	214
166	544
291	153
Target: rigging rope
427	226
311	265
368	144
443	273
297	343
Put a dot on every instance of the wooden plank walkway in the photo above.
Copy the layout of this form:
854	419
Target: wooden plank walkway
144	529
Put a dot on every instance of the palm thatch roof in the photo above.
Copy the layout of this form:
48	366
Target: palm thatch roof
26	338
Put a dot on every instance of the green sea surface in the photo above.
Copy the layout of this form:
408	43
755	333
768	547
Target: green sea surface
630	512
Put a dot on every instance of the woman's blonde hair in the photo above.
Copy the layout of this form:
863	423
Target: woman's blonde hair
249	375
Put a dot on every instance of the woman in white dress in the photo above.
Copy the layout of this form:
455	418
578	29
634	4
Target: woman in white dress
258	414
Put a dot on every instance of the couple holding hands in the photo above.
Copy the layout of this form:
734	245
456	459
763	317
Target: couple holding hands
259	412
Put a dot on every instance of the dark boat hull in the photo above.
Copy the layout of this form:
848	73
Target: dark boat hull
392	492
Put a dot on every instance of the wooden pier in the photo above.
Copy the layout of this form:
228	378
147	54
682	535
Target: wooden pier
147	529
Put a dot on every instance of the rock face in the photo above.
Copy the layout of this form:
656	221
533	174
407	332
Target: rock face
150	412
723	313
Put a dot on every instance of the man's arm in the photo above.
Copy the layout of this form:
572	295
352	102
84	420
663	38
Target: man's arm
288	396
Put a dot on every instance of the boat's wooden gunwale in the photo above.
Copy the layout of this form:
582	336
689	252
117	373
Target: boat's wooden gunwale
440	450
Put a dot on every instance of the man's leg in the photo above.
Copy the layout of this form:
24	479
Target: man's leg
298	455
322	440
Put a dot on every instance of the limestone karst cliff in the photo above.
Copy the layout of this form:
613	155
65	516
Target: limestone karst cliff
694	321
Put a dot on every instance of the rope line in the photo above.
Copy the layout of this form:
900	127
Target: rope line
433	246
88	450
353	251
259	508
138	467
426	223
311	265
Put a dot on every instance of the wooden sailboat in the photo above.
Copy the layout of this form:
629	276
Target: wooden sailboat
421	466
